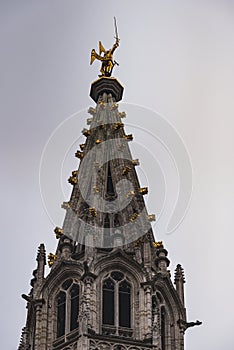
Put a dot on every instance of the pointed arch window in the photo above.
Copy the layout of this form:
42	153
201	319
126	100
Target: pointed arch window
163	328
61	313
124	304
74	303
116	301
67	303
158	303
110	187
108	302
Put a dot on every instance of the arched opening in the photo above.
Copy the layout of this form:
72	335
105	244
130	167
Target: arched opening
124	304
74	296
109	186
61	313
108	311
116	304
67	303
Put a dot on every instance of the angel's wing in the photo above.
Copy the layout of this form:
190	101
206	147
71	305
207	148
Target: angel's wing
94	56
101	48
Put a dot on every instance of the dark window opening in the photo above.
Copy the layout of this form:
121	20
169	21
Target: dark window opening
89	191
163	328
110	188
117	276
124	304
61	314
116	221
108	302
67	303
107	231
83	244
67	284
74	294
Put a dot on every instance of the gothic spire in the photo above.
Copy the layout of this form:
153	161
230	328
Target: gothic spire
109	284
105	185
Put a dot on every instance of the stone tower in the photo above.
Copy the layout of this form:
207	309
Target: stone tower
109	287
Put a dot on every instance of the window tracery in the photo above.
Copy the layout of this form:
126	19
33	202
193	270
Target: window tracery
67	304
116	301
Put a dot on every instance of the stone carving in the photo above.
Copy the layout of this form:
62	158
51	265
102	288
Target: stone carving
83	316
100	345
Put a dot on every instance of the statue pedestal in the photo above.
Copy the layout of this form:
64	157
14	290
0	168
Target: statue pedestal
108	85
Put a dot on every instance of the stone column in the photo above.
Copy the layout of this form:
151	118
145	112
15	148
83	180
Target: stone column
88	281
43	328
148	312
181	346
38	308
147	254
89	244
156	340
93	303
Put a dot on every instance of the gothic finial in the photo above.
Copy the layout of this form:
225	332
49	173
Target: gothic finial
38	273
179	281
41	254
179	273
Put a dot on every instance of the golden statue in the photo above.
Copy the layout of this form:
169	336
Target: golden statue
107	59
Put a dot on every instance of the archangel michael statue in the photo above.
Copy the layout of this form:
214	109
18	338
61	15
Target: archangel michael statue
107	58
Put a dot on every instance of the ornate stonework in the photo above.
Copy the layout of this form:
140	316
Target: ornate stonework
108	288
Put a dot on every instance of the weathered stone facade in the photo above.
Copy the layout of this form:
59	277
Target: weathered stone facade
67	308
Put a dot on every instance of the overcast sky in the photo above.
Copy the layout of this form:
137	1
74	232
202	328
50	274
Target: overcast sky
177	58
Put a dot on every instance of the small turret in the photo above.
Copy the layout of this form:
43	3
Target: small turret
41	262
39	272
162	262
179	281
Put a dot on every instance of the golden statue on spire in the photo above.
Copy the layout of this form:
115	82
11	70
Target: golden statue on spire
107	59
